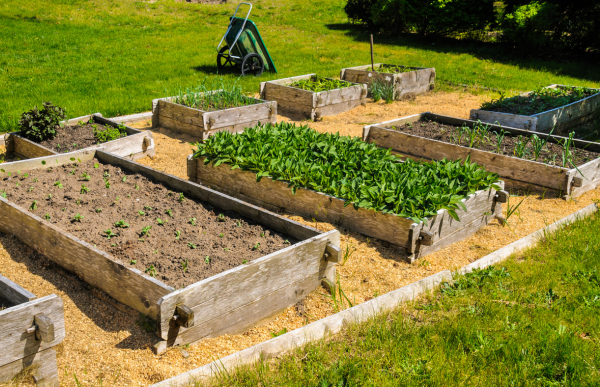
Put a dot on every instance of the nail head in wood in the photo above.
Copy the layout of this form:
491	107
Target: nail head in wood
45	328
577	181
427	238
184	316
502	196
333	253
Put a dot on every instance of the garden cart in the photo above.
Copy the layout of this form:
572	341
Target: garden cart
244	47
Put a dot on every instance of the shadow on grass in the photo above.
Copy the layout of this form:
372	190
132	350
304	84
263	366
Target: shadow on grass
214	70
575	65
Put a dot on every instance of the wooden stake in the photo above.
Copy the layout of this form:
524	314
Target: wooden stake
372	66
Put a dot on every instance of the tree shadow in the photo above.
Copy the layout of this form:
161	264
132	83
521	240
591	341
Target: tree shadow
571	64
214	70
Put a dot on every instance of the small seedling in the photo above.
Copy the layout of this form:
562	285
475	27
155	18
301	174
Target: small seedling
221	235
160	221
136	186
35	179
239	224
84	189
147	208
26	175
207	259
85	176
245	261
191	245
184	265
107	184
124	178
17	185
49	196
226	249
113	245
47	217
117	199
30	189
177	234
169	212
98	210
262	234
192	221
151	271
155	251
121	223
181	197
256	247
286	242
169	193
33	205
77	217
221	218
78	202
133	262
58	184
141	213
72	172
109	233
146	230
3	194
96	165
106	175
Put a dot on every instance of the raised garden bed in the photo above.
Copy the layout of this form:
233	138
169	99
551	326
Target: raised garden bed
554	108
434	137
418	236
332	96
78	134
205	121
29	329
233	263
407	81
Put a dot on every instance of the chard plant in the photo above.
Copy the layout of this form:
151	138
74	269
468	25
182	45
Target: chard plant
361	174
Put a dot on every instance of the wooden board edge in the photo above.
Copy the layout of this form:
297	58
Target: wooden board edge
13	292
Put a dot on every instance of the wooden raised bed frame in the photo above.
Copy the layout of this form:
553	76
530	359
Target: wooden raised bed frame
227	303
519	173
415	82
198	123
28	332
417	239
138	143
561	118
309	103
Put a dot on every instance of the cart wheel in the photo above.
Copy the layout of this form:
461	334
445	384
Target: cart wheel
223	58
252	65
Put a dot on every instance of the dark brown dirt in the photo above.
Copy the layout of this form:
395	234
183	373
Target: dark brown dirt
73	137
5	304
551	153
218	241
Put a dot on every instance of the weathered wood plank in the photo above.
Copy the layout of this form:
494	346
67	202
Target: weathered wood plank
29	148
413	82
13	292
177	126
234	288
131	145
345	94
506	166
231	117
505	119
590	175
332	110
45	369
278	91
132	118
91	264
237	128
180	113
267	218
15	342
47	161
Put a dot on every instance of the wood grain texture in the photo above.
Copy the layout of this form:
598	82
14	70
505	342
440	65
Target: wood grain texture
590	175
276	91
309	333
218	295
346	94
29	148
15	342
332	110
45	369
505	119
305	202
13	292
132	118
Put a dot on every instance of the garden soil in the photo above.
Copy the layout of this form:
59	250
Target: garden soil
107	341
73	138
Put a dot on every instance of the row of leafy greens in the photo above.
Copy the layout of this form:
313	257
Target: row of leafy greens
360	173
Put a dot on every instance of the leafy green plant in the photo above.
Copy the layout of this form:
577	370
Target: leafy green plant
151	271
109	133
360	173
109	233
77	218
177	234
47	217
256	246
317	84
520	147
85	176
191	245
160	221
147	208
207	259
58	184
30	189
192	221
124	179
203	96
221	218
146	230
383	90
121	223
185	266
281	332
141	213
33	205
84	189
41	124
98	210
181	197
169	212
107	184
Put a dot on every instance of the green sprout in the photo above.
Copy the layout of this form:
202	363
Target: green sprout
177	234
192	221
47	217
109	233
121	223
85	176
146	230
77	217
169	212
84	189
191	245
58	184
33	205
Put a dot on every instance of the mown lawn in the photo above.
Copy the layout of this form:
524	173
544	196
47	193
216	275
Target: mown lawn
532	321
115	56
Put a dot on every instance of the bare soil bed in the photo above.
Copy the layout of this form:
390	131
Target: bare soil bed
74	137
178	240
550	154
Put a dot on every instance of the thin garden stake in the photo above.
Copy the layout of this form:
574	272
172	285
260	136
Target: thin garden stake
372	65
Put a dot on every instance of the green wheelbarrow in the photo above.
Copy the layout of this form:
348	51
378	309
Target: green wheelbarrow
244	47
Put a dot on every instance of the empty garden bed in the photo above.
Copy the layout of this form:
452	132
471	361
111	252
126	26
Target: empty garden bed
29	329
85	132
338	186
313	96
405	80
555	109
139	234
521	157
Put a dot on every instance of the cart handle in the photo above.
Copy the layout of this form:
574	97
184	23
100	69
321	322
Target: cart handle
231	23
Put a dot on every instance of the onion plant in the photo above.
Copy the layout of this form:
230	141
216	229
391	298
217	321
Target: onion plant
217	94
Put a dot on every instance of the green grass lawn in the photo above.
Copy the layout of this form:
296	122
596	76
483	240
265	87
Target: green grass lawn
531	321
115	56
